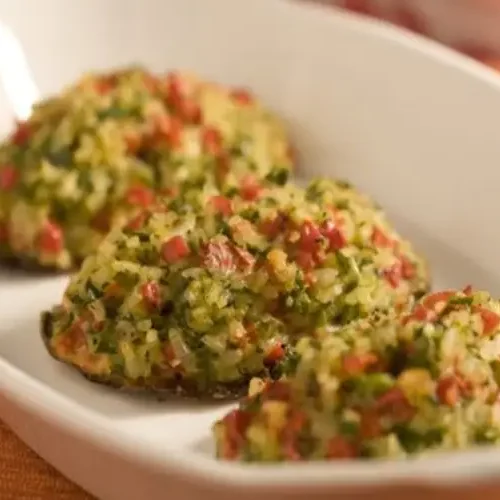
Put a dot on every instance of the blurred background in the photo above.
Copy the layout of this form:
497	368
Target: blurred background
470	26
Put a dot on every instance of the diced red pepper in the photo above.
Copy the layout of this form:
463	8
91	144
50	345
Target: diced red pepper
175	249
271	228
176	88
140	196
222	205
393	275
218	255
169	128
275	354
74	338
391	396
439	297
310	237
212	141
340	448
395	404
450	390
174	136
105	84
50	238
172	360
467	290
335	237
490	319
9	176
305	260
103	87
162	124
419	313
242	96
188	110
236	423
250	188
356	364
380	239
408	271
169	353
245	260
22	134
150	292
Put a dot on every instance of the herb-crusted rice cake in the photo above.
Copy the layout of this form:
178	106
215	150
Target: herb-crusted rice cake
387	386
108	144
205	296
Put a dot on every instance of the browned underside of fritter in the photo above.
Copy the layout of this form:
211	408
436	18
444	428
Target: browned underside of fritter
22	263
161	389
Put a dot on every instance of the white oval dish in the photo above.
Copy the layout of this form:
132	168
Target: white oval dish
412	123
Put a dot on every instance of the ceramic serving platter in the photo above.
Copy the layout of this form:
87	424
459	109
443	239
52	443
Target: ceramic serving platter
410	122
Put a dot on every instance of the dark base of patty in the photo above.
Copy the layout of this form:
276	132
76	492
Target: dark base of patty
161	389
177	389
26	264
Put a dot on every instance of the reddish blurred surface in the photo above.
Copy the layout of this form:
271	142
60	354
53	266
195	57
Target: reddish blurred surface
25	476
470	26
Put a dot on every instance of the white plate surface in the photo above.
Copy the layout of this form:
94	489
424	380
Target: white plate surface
412	123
